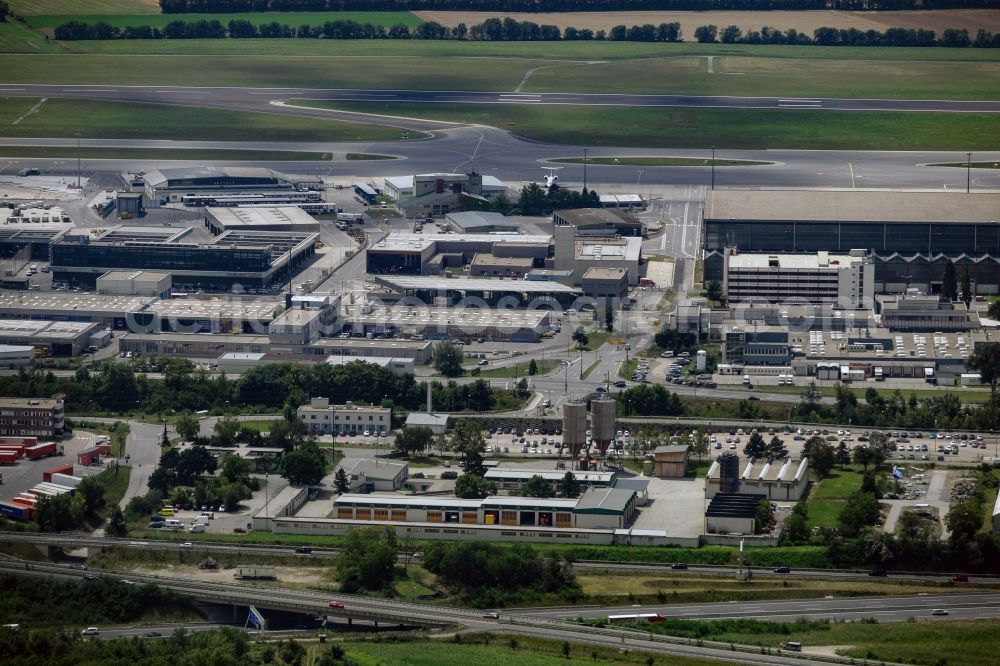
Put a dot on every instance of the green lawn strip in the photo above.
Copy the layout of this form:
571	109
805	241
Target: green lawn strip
657	161
957	643
974	165
544	366
824	513
28	8
207	154
17	38
361	157
626	370
271	70
116	480
841	484
92	119
765	76
296	19
495	650
590	368
690	128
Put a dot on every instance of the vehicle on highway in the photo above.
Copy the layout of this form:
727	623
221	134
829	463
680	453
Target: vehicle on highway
601	389
90	631
880	573
620	383
960	578
152	634
187	544
89	577
491	615
678	565
303	550
128	582
939	611
782	570
336	604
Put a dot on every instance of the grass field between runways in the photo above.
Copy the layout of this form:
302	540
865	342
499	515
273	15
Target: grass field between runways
698	128
93	119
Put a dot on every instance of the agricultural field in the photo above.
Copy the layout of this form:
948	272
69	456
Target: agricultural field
803	21
312	19
689	128
93	119
33	7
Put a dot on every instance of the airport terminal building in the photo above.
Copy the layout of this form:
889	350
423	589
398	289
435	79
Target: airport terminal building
910	235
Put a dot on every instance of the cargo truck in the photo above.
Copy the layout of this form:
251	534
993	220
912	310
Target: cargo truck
67	480
16	448
41	450
63	469
8	457
15	511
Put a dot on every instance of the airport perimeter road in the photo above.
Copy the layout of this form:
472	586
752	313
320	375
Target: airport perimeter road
253	98
885	609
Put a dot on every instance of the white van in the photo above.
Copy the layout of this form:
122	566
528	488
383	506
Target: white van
172	524
198	528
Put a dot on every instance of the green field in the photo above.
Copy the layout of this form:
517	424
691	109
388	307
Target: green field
64	118
657	161
207	154
544	366
839	485
31	7
967	395
690	128
296	19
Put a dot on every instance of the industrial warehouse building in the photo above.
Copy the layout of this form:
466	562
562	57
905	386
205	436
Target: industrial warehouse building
514	479
52	338
847	280
170	185
429	254
262	218
598	508
246	258
444	322
135	283
909	234
598	222
601	282
776	480
375	475
580	253
476	222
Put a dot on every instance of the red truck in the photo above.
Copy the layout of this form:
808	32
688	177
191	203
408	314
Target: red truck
8	457
17	449
40	450
64	469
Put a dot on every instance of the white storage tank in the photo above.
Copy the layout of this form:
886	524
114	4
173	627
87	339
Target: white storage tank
701	361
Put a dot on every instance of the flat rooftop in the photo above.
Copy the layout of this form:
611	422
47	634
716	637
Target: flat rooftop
41	329
259	217
851	206
584	217
405	315
620	249
482	259
69	304
147	276
260	309
793	261
598	273
400	241
430	283
44	403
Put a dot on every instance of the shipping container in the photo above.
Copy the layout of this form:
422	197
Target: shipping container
15	511
67	480
8	457
254	571
40	450
62	469
16	448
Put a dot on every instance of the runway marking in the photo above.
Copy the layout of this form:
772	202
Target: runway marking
11	89
103	90
183	92
30	111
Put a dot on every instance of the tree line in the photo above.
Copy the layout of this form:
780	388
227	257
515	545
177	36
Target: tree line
509	30
227	6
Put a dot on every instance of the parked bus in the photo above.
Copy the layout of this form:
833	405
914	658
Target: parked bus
366	192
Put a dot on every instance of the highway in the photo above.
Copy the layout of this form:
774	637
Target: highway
545	624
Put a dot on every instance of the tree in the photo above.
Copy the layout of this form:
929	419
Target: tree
187	427
580	337
236	469
765	514
305	466
225	430
367	560
569	486
843	454
4	11
715	291
609	319
705	34
732	35
776	448
92	492
821	457
116	524
860	511
949	284
536	486
986	361
447	359
472	486
963	520
413	440
965	281
532	368
164	437
533	200
340	482
467	439
796	525
756	446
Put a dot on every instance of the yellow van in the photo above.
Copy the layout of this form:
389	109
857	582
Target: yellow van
167	511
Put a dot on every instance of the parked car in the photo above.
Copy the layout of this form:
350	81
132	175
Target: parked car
303	550
939	611
152	634
960	578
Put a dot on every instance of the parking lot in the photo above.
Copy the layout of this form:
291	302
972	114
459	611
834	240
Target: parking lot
26	473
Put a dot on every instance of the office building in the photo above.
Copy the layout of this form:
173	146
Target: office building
32	417
476	222
135	283
322	418
260	218
847	280
606	283
598	222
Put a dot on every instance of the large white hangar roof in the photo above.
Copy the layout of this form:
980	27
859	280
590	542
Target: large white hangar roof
429	283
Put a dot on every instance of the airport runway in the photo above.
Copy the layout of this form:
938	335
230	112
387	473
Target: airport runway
250	98
463	148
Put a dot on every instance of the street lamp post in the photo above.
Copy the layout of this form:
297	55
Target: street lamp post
77	160
968	172
713	167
